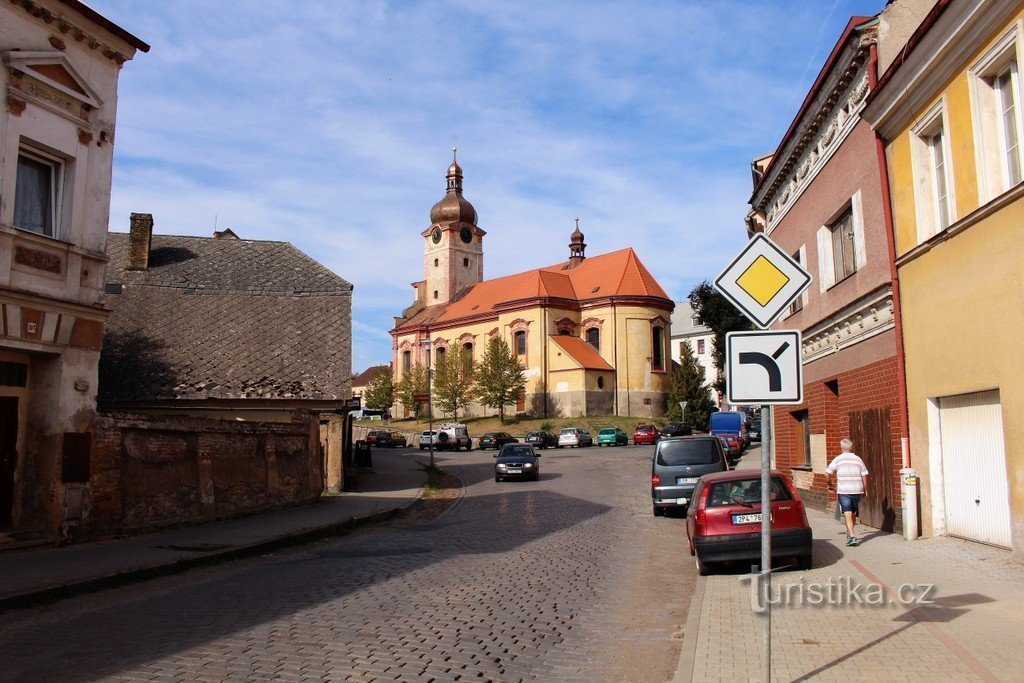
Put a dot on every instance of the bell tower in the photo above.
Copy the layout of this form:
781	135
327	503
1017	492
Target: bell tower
453	253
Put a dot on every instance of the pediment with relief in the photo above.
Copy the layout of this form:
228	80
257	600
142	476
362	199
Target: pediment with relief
49	79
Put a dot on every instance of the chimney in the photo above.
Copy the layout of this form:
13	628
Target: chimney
139	239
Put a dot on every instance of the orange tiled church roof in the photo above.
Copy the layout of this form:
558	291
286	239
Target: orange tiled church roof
618	273
581	352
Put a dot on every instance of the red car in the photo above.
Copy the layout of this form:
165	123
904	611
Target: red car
731	444
371	437
724	520
645	434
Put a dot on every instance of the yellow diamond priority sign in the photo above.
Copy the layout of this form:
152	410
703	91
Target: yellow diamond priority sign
762	281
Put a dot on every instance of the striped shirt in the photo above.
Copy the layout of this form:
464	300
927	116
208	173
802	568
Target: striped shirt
848	468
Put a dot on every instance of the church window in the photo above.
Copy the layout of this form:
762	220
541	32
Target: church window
406	362
467	358
436	262
564	332
435	293
594	338
600	382
658	348
440	355
519	339
465	262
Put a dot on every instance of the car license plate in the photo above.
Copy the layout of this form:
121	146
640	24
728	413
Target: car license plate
686	480
747	519
514	471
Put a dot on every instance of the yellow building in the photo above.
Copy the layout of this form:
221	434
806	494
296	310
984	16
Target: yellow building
592	333
948	109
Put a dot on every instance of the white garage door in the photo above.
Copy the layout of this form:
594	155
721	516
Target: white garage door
974	467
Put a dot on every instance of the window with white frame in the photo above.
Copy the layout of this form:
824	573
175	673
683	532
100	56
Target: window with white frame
798	304
995	104
933	197
841	248
37	192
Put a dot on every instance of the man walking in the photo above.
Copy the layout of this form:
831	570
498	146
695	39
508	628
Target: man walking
851	484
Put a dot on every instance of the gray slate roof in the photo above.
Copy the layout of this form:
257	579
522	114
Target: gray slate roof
224	319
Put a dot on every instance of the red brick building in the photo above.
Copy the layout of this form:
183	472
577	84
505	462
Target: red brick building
821	197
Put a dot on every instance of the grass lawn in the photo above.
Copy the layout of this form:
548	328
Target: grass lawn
521	427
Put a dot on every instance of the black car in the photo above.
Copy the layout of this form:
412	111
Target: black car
542	440
755	430
677	429
496	440
516	461
390	440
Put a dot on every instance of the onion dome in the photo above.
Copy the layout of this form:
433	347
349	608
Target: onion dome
453	208
576	244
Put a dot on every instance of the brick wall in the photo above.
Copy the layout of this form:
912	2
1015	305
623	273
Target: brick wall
869	386
149	471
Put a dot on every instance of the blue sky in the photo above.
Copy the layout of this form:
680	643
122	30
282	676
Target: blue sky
328	124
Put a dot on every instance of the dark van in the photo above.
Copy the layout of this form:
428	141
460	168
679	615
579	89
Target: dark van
677	464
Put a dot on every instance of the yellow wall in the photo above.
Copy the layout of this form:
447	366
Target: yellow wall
962	300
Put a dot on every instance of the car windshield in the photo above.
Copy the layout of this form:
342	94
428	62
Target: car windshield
533	435
645	428
702	452
514	451
743	492
607	432
567	432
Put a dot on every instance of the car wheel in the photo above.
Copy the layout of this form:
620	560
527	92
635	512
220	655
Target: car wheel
804	562
536	476
658	512
497	478
702	567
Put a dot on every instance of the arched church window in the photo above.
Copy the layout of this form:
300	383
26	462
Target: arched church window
467	358
594	338
519	343
440	354
406	362
658	348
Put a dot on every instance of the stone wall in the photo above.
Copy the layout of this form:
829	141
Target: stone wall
154	471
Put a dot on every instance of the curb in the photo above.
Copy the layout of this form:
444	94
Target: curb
688	652
50	594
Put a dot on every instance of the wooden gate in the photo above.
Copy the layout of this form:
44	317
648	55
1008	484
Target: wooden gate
872	441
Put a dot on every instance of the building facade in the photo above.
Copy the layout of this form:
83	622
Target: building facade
685	330
61	63
949	111
820	197
592	332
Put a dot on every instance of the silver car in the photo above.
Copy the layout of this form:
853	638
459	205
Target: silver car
574	436
677	464
426	438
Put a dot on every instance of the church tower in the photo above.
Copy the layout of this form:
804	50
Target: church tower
453	254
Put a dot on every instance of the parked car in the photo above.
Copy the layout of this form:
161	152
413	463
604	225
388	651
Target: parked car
516	461
496	440
426	438
729	422
612	436
452	436
542	439
371	437
390	440
731	445
677	429
724	524
574	436
755	430
677	464
645	434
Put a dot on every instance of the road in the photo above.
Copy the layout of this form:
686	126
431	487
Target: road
570	577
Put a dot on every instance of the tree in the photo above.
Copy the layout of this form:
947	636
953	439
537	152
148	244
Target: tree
499	376
688	385
453	387
714	311
380	391
413	385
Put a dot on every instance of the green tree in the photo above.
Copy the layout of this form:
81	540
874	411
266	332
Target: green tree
499	376
714	311
688	385
453	387
412	385
380	391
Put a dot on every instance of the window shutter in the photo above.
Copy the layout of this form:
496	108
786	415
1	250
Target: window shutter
826	268
860	254
803	262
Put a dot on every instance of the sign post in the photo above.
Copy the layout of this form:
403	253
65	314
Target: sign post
764	367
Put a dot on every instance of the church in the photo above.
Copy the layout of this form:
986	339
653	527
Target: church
592	333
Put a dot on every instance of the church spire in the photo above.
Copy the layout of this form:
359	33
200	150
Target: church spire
577	246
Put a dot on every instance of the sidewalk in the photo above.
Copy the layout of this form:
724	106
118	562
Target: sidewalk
41	574
971	631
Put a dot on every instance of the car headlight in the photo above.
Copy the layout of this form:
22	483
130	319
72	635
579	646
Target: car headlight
501	466
528	465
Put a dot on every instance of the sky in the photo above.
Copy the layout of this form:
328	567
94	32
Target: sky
329	125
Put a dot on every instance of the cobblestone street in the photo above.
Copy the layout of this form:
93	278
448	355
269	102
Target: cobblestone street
567	578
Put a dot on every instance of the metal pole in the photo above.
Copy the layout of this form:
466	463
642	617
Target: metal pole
766	544
430	402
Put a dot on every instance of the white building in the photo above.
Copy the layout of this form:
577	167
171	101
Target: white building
61	62
686	330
